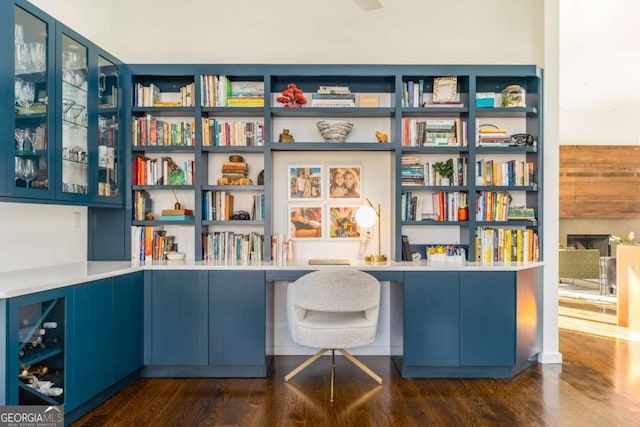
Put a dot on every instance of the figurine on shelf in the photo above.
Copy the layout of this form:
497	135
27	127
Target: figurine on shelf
285	136
382	137
292	97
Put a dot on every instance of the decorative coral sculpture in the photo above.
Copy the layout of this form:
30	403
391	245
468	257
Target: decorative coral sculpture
292	97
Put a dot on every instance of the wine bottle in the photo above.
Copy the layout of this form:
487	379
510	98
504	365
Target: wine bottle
27	380
50	325
28	334
36	370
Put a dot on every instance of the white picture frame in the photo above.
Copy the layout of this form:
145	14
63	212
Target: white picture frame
305	182
344	182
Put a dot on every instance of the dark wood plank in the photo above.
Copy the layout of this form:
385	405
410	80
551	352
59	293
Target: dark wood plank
596	385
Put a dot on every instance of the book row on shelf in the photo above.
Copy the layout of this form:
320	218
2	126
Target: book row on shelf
151	96
415	172
149	131
511	173
436	206
149	243
219	206
229	246
220	91
506	245
142	205
162	171
220	133
434	132
493	205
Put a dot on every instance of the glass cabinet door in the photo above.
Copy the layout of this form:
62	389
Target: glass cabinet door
75	150
108	143
33	90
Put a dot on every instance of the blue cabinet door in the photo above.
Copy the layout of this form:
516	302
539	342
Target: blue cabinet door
431	318
127	319
487	318
91	344
179	317
237	301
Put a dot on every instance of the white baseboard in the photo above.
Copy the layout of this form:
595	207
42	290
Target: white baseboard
545	358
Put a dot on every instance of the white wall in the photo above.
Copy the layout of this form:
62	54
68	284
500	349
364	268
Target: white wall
337	31
600	64
36	235
297	31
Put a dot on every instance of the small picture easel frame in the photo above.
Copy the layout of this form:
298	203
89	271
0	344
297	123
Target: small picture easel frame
445	89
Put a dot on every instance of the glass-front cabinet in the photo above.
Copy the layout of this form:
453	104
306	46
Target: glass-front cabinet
88	120
32	148
63	132
74	118
108	141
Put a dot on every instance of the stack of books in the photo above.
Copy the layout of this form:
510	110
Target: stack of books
176	215
411	171
431	132
333	96
234	170
246	94
492	136
441	132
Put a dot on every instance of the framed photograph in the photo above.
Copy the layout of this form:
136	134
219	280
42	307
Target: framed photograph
445	89
305	182
345	182
305	222
342	222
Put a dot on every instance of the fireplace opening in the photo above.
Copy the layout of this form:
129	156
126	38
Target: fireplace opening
590	241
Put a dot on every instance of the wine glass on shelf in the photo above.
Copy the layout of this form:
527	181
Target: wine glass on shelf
29	173
19	168
20	138
25	94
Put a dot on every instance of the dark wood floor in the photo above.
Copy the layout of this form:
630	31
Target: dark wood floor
598	384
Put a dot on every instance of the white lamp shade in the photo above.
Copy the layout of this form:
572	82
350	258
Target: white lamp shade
366	216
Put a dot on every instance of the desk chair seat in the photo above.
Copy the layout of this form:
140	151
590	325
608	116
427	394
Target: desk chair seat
333	310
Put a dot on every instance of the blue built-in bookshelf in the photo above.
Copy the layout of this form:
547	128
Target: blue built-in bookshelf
493	172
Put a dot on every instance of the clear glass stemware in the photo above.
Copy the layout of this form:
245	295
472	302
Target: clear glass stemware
30	172
19	168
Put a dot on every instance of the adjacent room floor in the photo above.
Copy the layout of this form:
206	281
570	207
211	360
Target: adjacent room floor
583	308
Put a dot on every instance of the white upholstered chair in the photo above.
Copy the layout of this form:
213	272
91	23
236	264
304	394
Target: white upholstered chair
333	309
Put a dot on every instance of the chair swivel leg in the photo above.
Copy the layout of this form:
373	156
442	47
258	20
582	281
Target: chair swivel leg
360	365
333	371
304	364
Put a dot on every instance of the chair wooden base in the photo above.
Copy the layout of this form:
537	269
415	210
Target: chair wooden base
346	354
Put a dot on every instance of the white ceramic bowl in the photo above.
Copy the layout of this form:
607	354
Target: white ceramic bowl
334	130
173	256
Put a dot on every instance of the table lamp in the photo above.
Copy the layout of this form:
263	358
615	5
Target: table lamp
366	216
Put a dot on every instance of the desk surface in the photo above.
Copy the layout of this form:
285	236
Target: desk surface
24	282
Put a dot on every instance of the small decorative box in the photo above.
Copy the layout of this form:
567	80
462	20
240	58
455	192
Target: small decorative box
485	99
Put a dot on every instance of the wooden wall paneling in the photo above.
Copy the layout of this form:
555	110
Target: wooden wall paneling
599	181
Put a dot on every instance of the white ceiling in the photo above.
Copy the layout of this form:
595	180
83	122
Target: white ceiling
600	72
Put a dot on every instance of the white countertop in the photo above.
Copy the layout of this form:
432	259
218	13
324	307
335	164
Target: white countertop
24	282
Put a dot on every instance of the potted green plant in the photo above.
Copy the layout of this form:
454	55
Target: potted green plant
445	170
